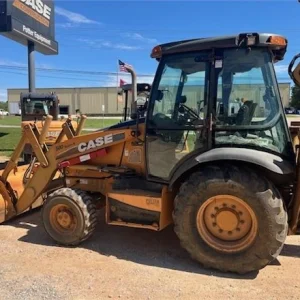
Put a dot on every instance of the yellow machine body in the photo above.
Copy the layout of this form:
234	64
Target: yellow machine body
222	208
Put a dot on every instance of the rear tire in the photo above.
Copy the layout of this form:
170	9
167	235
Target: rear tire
253	199
69	216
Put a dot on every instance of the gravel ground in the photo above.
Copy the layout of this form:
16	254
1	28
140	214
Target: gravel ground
128	263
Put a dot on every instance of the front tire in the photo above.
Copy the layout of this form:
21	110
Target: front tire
230	219
69	216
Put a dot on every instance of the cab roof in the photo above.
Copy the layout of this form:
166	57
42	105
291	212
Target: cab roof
276	43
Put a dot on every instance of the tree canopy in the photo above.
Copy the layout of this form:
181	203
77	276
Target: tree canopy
295	97
4	105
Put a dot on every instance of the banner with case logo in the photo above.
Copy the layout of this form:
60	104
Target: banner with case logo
33	20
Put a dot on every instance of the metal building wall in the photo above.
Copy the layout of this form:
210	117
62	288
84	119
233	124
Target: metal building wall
88	100
91	100
66	96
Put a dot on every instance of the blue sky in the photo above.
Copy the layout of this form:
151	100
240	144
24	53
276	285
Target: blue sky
93	35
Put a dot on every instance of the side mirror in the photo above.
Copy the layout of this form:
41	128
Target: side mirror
295	74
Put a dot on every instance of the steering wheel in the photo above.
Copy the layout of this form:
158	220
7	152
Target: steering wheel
192	114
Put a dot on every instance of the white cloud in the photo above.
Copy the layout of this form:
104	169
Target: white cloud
141	38
281	69
125	47
3	95
11	63
44	66
108	44
74	18
67	25
6	62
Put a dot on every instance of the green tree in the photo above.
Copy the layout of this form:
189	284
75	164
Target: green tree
295	97
4	105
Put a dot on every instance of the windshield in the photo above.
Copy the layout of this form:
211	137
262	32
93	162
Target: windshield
35	107
248	110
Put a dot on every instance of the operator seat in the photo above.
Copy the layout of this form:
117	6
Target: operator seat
245	115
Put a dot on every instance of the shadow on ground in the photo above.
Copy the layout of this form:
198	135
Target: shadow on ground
2	134
146	247
291	251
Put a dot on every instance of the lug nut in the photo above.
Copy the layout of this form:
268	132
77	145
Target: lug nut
238	229
242	221
229	232
233	206
240	213
216	208
220	230
212	215
214	224
224	204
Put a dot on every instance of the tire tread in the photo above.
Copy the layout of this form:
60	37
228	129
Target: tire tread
232	175
87	207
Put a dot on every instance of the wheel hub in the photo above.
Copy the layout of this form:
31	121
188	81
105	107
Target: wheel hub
227	220
227	223
64	218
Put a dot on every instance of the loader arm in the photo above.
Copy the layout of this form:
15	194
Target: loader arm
76	149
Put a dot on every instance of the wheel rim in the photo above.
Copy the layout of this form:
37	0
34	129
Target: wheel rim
227	223
63	220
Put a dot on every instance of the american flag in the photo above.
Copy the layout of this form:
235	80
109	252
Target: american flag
123	66
122	82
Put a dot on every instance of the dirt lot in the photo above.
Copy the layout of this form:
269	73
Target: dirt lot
127	263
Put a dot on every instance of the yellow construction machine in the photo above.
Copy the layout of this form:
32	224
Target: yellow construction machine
233	197
34	108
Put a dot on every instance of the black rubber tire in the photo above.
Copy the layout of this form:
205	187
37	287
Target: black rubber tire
27	158
84	208
257	192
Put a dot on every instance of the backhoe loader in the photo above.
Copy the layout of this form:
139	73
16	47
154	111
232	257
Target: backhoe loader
35	107
233	197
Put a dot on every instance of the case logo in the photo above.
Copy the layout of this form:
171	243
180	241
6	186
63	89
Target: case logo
100	141
36	9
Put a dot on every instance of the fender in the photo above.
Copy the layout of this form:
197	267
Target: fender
277	167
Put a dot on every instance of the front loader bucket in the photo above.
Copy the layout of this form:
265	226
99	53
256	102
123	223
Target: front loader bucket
11	190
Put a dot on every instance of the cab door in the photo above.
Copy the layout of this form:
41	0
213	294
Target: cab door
178	123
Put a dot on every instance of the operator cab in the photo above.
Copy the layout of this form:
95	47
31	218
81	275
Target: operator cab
215	93
35	106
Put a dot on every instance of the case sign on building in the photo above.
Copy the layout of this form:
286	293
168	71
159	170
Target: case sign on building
29	20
